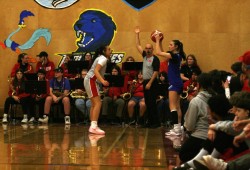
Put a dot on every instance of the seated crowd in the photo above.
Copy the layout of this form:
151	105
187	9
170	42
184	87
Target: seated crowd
215	106
218	137
207	114
61	89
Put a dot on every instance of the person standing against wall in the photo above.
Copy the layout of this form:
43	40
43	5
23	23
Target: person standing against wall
150	69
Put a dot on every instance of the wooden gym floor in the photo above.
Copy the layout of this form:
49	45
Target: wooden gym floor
57	146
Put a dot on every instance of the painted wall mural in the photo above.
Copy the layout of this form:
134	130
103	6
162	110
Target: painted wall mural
60	4
93	29
40	32
139	4
56	4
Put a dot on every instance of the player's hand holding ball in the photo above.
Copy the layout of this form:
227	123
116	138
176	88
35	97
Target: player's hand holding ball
156	34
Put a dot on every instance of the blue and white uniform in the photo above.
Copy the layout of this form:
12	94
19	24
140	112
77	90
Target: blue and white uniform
174	65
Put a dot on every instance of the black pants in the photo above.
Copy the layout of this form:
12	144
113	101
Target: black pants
163	110
150	101
25	103
40	104
222	142
190	148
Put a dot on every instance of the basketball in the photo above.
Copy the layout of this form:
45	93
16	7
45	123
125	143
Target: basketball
154	33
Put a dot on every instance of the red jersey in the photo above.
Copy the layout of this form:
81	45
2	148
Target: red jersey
49	68
246	86
17	66
66	71
189	84
163	66
18	91
137	90
115	91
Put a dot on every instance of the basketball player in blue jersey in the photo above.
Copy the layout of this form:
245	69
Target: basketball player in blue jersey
174	57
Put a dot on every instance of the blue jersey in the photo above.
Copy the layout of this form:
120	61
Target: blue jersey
64	84
174	66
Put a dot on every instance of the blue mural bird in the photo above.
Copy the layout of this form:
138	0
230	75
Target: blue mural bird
24	14
41	32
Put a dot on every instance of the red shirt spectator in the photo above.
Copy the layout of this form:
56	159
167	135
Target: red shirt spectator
164	66
22	63
46	64
245	59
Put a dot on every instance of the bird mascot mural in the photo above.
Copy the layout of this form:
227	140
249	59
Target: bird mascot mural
40	32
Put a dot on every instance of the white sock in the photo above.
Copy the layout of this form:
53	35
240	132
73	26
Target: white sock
215	154
93	124
202	152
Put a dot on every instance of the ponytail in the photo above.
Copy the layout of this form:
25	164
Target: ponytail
180	48
99	51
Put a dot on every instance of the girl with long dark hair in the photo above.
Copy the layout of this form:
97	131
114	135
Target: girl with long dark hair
17	95
174	56
96	73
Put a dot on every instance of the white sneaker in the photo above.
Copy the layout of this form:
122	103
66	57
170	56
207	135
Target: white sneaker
176	131
67	120
96	131
213	163
32	119
45	119
5	119
25	119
